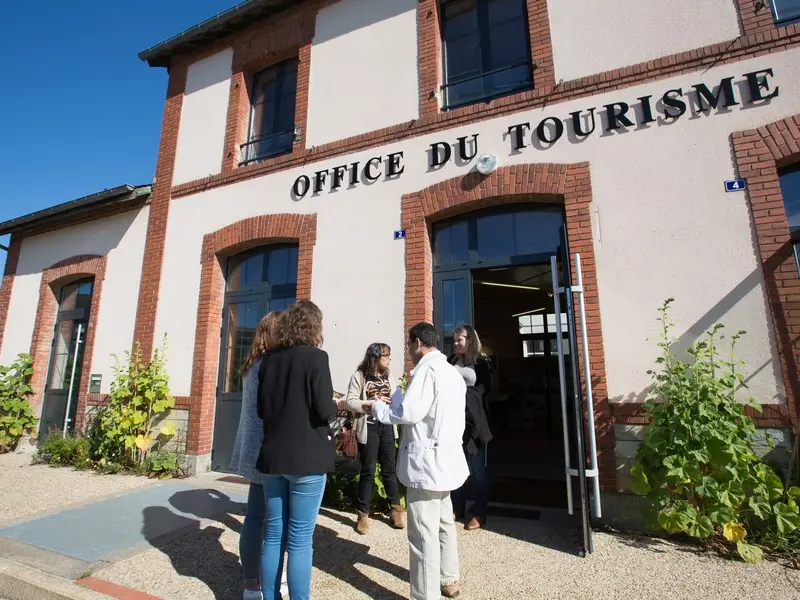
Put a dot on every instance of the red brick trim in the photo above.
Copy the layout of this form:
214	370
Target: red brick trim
53	279
181	402
771	415
12	259
217	246
569	184
745	47
114	590
430	52
150	282
755	16
758	154
264	46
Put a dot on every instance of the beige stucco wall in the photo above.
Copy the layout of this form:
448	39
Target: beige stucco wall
663	226
363	69
590	37
201	136
121	238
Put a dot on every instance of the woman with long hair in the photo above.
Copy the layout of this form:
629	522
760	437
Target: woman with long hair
371	381
245	454
476	368
295	402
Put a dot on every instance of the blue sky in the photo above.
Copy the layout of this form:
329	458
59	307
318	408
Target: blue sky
79	112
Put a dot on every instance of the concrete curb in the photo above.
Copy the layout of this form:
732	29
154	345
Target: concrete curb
20	582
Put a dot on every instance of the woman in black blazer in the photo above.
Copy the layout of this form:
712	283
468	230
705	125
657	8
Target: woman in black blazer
295	402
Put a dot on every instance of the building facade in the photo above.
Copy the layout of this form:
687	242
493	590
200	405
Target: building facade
330	150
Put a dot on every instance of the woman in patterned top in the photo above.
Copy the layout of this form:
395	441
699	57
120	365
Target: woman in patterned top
371	381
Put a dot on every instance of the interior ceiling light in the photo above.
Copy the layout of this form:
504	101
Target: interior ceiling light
509	285
487	163
528	312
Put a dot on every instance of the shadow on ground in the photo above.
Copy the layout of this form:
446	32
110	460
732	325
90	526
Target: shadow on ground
200	555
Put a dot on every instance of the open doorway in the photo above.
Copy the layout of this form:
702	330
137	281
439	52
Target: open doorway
514	315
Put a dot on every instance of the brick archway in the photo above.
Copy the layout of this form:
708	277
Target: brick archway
568	184
759	153
237	237
53	279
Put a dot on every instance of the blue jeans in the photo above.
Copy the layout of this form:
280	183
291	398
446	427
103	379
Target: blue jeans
479	477
252	534
292	507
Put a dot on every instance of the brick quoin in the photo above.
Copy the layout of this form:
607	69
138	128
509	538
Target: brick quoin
568	184
217	247
12	259
150	282
53	279
759	153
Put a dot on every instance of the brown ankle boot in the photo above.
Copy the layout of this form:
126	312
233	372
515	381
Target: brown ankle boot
397	516
362	526
451	590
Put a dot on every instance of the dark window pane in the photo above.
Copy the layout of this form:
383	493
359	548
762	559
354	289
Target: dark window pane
282	266
790	188
507	45
502	11
536	232
463	58
786	9
243	318
76	296
245	272
452	244
495	236
453	304
279	304
460	18
272	115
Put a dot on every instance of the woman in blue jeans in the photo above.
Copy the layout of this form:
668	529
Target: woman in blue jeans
295	403
245	454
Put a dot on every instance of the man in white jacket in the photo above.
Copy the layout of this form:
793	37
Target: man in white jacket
431	462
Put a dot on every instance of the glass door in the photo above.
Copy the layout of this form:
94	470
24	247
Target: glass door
66	359
580	453
452	291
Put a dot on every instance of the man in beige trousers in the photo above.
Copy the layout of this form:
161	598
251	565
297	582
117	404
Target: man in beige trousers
431	462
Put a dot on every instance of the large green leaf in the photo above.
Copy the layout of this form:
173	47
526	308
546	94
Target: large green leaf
749	553
760	508
674	522
786	518
639	483
701	528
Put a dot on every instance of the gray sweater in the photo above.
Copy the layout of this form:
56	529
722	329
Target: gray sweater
251	429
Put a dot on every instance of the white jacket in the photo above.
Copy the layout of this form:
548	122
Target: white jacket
432	415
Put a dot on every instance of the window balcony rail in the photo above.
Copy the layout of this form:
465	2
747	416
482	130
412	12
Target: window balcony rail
487	86
266	146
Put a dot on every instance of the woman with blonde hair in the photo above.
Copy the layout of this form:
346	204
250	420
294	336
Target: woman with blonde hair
295	401
476	369
245	454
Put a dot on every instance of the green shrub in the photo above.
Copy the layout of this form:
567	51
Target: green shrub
163	464
64	450
340	490
16	416
128	429
696	465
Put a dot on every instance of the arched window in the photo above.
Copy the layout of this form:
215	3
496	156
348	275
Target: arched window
66	357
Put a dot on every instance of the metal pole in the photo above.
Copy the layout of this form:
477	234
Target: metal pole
78	343
562	380
589	400
576	402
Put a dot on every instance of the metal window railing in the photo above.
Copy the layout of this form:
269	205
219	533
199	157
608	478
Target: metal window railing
487	92
266	146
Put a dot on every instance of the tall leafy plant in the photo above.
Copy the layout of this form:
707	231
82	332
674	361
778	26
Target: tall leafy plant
130	425
16	415
696	465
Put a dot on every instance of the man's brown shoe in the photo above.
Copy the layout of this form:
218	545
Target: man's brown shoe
475	523
362	526
451	590
397	516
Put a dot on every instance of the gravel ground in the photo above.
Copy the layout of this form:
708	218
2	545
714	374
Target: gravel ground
513	559
28	490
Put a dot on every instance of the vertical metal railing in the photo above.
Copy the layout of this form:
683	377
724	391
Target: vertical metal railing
78	343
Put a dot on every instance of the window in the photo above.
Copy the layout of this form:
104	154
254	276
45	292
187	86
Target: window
790	189
272	105
538	329
786	10
486	49
498	236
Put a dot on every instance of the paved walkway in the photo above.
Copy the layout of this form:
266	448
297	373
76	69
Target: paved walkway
179	540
